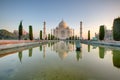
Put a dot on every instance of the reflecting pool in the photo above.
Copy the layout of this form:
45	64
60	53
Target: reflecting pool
61	61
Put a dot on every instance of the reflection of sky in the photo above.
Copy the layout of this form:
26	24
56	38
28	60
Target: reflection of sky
90	66
93	13
8	67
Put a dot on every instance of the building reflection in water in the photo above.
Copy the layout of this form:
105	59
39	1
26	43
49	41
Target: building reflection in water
44	51
49	44
20	56
116	58
52	43
63	48
30	52
101	52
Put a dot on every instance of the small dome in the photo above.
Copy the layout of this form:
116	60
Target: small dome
63	24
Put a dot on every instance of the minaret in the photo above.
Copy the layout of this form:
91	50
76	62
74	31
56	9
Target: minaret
44	30
81	30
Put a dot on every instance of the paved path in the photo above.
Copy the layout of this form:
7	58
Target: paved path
9	46
107	43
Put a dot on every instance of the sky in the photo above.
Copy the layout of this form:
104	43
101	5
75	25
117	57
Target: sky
92	13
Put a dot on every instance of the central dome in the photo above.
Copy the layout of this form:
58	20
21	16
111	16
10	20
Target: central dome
63	24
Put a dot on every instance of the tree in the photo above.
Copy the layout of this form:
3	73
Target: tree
116	29
76	37
89	35
20	30
40	34
48	36
30	33
101	32
51	37
72	37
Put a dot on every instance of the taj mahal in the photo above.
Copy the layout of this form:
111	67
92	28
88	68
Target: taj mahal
62	31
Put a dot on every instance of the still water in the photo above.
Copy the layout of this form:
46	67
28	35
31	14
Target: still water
60	61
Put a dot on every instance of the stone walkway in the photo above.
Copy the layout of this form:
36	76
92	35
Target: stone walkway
17	45
9	44
107	43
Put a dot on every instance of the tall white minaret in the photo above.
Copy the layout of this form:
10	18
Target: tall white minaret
81	30
44	30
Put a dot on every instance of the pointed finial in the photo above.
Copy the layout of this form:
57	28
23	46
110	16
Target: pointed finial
44	22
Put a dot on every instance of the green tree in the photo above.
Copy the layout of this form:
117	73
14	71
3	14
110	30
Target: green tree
51	37
101	32
40	34
89	35
48	36
20	30
116	29
76	37
70	38
30	33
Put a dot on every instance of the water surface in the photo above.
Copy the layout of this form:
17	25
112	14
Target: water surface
61	61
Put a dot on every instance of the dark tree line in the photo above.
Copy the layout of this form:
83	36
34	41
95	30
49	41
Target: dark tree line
116	29
116	32
20	30
40	34
30	33
101	32
89	35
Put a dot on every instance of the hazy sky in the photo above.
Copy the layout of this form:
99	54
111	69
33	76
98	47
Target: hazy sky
92	13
